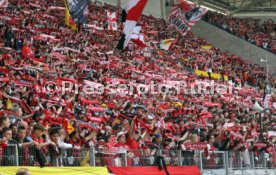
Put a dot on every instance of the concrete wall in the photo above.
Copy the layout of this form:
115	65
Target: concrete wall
111	2
263	16
235	45
155	8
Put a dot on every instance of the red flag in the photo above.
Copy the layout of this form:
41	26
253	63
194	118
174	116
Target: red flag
130	16
138	38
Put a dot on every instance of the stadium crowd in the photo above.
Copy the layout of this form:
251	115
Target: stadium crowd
258	32
37	48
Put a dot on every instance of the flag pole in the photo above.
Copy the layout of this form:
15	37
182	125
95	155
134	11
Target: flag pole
264	100
267	68
65	3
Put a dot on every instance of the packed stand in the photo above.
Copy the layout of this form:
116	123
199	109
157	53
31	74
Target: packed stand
56	128
258	32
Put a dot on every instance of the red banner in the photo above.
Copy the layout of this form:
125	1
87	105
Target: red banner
4	79
95	119
195	146
90	102
211	104
177	170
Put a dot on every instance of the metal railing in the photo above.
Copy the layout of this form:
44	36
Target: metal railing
217	162
16	155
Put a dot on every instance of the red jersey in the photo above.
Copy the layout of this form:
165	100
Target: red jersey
133	144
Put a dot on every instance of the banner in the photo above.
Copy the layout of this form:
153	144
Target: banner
68	18
271	133
4	3
138	38
130	16
206	47
112	21
77	8
167	44
57	170
213	75
173	170
185	15
56	8
23	83
83	124
211	104
195	146
4	79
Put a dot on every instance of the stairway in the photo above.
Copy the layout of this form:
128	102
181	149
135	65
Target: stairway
236	46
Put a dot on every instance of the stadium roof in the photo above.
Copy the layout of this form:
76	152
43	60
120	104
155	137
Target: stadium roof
236	7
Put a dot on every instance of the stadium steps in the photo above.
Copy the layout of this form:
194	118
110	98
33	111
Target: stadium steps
236	46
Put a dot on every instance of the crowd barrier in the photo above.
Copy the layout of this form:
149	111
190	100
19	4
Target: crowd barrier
14	155
11	170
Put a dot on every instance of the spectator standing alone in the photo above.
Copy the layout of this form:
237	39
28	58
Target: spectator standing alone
8	37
